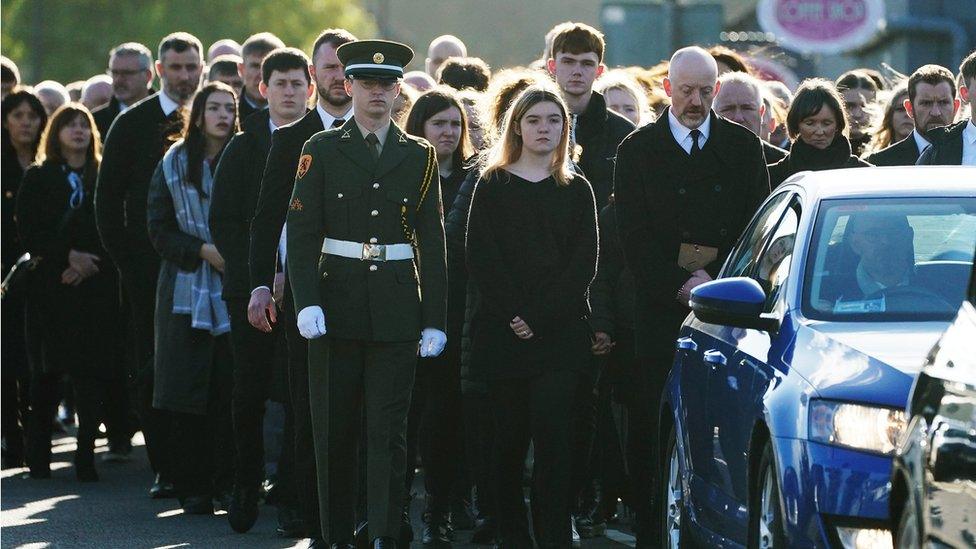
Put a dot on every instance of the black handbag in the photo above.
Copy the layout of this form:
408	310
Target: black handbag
15	283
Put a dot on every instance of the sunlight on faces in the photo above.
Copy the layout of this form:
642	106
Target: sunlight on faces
329	77
372	97
691	84
287	93
76	135
23	124
855	101
818	130
541	128
622	102
741	104
218	115
443	130
934	106
233	80
129	80
901	123
180	73
575	72
250	71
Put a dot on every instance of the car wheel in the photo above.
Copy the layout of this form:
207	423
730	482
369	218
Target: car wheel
909	534
673	517
765	519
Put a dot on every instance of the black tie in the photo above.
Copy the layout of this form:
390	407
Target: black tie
695	148
372	141
338	122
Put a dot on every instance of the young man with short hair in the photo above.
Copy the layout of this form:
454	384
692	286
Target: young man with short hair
253	52
224	68
286	85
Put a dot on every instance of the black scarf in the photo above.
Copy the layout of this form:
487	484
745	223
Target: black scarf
806	157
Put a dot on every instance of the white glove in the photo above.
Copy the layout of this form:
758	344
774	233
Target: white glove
432	342
311	322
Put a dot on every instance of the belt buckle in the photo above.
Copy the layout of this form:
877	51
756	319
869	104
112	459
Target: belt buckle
374	252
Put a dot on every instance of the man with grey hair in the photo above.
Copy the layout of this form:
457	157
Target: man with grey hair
686	187
131	67
96	91
52	95
440	48
740	100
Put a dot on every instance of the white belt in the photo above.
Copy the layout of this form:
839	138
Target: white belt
367	252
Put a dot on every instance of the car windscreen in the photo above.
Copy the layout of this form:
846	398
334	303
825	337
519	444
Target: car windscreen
890	259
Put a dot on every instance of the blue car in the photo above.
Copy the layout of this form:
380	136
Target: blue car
787	394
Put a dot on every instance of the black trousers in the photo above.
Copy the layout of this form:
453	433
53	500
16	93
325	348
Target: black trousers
139	283
537	409
15	381
304	467
584	431
203	448
479	440
254	369
46	393
358	375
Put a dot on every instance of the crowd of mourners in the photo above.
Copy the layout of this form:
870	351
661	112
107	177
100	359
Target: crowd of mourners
161	283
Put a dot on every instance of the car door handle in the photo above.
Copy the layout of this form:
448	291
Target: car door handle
715	358
686	344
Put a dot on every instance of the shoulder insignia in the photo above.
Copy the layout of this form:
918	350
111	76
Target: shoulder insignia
296	205
304	163
402	139
346	135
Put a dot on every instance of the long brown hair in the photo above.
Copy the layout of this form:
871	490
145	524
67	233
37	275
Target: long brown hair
508	149
432	102
194	141
50	148
883	134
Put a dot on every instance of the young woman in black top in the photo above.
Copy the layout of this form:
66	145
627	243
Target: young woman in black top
193	370
23	120
435	409
72	303
532	250
817	124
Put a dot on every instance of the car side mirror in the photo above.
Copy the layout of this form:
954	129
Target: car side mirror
736	302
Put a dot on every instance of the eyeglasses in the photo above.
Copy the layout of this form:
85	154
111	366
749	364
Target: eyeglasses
372	83
77	197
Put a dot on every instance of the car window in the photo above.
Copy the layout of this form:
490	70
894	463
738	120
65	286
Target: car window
773	267
890	259
744	256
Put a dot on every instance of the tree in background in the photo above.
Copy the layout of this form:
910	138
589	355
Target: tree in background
70	40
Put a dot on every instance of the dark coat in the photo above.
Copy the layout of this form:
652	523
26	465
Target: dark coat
105	115
612	293
664	198
773	153
946	149
11	175
455	229
277	184
902	153
531	250
134	146
245	109
237	184
342	193
184	356
79	322
598	132
803	157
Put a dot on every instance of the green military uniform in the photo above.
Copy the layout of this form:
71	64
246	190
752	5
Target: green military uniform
374	309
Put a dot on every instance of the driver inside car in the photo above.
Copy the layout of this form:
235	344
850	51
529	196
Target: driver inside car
883	245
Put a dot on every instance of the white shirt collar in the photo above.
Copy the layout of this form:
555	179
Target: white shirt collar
969	144
920	141
682	134
328	119
167	103
271	125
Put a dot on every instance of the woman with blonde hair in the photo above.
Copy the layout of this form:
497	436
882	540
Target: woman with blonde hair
531	252
625	96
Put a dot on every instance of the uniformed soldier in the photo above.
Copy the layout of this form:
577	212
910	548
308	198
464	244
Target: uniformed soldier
366	257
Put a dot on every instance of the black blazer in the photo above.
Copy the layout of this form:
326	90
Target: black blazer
664	198
105	115
773	153
244	109
599	132
237	184
902	153
946	149
276	187
134	146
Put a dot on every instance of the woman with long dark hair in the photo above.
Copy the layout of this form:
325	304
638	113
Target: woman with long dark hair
23	119
192	361
73	293
531	251
436	410
818	126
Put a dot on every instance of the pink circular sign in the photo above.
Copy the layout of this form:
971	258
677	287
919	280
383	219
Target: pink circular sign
821	26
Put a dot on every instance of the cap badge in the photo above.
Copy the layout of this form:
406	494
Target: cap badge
378	57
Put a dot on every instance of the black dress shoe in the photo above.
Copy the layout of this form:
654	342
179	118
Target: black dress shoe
438	531
290	522
39	473
242	512
384	543
197	505
162	489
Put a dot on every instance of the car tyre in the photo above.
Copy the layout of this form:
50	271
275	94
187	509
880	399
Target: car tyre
909	533
674	519
765	519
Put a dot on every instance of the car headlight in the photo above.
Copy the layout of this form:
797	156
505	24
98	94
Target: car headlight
856	426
